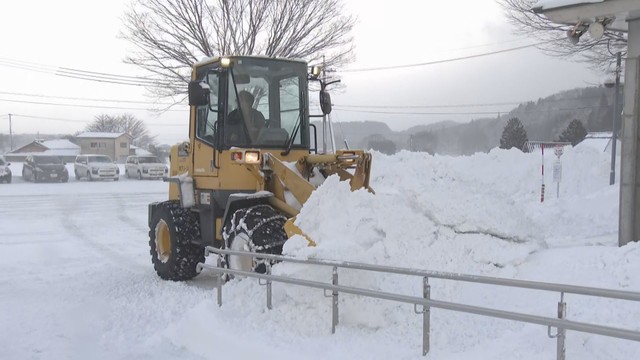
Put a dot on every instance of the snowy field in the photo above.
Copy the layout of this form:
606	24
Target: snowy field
76	280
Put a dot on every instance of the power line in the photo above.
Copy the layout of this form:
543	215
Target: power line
84	74
425	106
470	112
87	99
461	105
443	61
85	121
78	105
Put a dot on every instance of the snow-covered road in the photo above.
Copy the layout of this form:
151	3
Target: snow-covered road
76	280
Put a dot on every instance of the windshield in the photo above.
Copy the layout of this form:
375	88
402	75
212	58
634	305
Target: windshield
47	160
266	102
148	160
99	159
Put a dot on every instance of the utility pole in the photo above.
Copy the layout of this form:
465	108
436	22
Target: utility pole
616	113
324	117
10	135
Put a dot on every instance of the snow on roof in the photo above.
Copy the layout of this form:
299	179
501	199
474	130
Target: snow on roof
140	151
62	152
553	4
100	135
599	135
59	144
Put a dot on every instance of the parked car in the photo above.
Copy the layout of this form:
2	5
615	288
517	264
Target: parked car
94	167
145	167
38	168
5	172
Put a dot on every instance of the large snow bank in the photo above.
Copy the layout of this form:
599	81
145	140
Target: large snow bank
479	214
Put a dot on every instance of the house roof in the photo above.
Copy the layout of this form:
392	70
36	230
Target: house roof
100	135
59	144
140	151
585	12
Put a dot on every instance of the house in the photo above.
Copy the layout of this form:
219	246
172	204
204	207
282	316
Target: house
62	148
115	145
138	151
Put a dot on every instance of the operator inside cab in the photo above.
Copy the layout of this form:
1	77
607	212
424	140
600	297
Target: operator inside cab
244	116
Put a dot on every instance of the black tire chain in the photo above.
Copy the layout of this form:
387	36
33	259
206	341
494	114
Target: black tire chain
187	255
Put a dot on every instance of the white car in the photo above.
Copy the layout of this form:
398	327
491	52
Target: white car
145	167
94	167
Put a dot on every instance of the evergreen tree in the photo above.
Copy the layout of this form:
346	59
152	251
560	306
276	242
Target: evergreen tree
574	133
513	135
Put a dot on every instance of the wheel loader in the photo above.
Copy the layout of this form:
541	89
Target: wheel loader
250	164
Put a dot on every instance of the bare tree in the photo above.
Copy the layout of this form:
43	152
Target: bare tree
126	123
171	35
600	53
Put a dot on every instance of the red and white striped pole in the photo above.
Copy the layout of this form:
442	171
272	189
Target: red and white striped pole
542	191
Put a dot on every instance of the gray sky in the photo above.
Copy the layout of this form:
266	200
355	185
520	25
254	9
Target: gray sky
42	35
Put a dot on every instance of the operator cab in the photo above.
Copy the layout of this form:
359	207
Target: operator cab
251	102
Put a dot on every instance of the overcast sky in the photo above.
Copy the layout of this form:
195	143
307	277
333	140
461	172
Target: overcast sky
42	35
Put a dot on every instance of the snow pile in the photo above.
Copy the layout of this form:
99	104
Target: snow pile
479	214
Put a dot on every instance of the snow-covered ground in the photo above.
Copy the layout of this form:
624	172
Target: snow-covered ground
76	280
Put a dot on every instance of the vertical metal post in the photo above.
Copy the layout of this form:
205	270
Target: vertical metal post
219	264
426	316
542	189
10	134
616	113
269	293
562	313
334	310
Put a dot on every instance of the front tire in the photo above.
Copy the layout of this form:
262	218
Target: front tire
171	235
259	229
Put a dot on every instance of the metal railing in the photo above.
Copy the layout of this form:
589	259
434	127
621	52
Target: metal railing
426	302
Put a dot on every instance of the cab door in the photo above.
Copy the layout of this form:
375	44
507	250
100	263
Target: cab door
205	161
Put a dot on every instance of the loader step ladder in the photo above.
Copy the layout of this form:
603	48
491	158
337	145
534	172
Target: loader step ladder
422	305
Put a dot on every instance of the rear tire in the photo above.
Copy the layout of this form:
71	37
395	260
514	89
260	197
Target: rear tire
259	229
171	235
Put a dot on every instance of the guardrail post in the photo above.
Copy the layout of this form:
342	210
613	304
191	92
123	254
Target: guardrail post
269	306
219	276
562	313
426	316
334	312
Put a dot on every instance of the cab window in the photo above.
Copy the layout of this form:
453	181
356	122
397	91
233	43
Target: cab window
207	116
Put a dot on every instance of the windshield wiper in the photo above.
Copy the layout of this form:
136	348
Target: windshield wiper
289	141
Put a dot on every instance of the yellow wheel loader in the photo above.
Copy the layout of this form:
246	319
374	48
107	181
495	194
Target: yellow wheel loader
250	164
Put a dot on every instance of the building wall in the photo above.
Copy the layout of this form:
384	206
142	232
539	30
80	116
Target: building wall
121	148
117	149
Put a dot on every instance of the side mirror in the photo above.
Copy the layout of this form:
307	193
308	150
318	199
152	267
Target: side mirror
198	93
325	102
